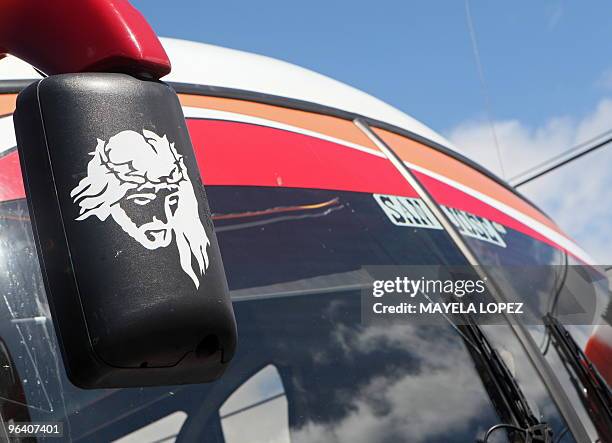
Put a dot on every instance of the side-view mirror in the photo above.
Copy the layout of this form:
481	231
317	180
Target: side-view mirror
124	235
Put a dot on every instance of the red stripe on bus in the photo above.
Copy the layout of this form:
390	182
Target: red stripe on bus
239	154
449	196
11	183
242	154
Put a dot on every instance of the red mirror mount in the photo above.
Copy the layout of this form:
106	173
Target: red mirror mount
69	36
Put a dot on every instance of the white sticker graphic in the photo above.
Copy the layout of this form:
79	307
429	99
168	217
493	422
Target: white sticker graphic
406	211
413	212
134	170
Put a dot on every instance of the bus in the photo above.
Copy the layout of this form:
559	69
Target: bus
309	180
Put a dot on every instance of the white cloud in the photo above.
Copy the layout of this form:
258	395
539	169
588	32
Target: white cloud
577	195
408	401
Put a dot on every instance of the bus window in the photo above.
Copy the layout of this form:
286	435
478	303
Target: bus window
522	250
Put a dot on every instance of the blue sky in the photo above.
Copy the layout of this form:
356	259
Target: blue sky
540	58
547	64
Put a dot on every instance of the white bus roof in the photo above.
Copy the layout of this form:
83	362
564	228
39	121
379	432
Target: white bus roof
203	64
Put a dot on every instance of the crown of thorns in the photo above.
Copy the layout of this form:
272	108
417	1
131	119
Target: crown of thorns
126	172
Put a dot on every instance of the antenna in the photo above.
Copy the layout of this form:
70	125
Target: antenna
483	85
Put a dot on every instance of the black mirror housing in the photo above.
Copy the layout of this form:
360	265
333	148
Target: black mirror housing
131	264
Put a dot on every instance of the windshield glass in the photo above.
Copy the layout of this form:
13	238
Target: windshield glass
304	354
526	254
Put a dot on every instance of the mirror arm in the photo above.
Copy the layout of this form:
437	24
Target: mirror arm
68	36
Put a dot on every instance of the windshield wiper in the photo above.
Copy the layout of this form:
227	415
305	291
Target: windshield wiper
504	390
594	391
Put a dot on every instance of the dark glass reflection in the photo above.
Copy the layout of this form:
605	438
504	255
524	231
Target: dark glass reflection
293	259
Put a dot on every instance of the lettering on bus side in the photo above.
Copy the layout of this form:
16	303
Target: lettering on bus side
476	227
413	212
406	211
